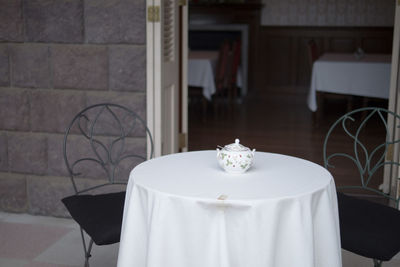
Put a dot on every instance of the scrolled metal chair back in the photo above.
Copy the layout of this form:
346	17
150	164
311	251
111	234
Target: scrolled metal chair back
366	158
104	141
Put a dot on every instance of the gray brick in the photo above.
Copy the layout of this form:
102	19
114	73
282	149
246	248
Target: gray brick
115	21
135	102
128	68
14	109
109	189
45	194
4	66
54	21
11	21
80	67
56	164
30	65
3	152
13	196
53	110
27	153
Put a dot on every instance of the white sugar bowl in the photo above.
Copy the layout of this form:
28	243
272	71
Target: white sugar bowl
235	158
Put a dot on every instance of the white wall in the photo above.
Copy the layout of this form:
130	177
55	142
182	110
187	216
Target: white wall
328	13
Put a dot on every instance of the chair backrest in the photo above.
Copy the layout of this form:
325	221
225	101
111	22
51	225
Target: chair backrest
222	65
361	139
236	51
104	142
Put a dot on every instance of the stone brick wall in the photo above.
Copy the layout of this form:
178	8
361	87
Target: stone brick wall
57	57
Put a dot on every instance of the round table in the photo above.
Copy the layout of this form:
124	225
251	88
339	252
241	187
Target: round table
185	210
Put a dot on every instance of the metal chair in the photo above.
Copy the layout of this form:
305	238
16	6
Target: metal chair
103	141
313	52
227	68
367	228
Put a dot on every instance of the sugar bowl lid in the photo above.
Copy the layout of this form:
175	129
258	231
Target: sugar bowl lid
236	147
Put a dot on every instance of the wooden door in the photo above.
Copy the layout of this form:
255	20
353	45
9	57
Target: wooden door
166	82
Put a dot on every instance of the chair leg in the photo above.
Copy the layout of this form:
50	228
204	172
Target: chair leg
377	263
88	250
317	115
364	105
87	254
216	104
204	105
349	103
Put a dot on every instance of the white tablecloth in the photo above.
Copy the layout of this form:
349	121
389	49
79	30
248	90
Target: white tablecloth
345	74
201	71
281	213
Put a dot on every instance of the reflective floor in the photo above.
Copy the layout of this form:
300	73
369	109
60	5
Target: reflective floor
37	241
278	120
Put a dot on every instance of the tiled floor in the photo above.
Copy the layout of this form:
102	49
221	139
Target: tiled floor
36	241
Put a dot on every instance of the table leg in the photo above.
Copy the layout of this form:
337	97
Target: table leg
349	99
320	108
204	108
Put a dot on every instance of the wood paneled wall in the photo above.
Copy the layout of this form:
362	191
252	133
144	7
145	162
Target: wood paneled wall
282	58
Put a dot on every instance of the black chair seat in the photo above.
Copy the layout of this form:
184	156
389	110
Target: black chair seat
369	229
99	215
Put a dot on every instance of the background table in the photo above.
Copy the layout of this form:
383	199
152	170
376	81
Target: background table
345	74
201	71
184	210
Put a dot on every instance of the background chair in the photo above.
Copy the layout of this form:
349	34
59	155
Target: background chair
313	52
102	142
196	97
367	228
234	67
226	75
222	66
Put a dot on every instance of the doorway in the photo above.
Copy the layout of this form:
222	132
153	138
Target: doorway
273	117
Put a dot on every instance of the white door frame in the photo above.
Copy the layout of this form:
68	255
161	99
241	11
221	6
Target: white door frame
150	113
184	79
391	182
154	75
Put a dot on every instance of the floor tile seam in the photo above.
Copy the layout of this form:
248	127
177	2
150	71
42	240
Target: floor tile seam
51	262
55	238
71	228
41	257
2	258
68	228
3	216
60	238
40	221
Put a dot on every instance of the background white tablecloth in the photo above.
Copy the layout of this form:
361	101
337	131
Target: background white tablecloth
201	71
281	213
345	74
